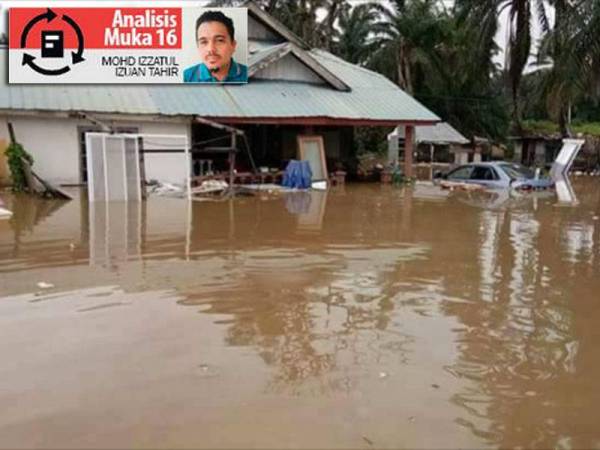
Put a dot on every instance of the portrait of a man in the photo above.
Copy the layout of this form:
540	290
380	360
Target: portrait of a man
216	44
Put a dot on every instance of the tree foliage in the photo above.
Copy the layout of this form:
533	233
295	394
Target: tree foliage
447	56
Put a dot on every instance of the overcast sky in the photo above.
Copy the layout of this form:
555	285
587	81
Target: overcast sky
501	37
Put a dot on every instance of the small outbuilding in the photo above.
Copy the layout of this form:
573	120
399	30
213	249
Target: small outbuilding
435	143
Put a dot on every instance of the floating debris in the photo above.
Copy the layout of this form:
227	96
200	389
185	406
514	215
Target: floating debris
5	213
44	285
164	189
211	186
367	440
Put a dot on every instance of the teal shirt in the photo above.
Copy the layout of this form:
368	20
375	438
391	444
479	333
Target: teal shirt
238	73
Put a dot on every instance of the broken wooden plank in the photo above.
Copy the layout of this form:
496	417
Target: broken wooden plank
48	189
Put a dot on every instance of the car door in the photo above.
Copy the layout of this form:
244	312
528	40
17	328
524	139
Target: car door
485	176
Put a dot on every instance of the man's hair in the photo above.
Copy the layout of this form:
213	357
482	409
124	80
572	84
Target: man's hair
216	16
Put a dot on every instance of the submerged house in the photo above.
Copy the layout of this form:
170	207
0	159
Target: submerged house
292	90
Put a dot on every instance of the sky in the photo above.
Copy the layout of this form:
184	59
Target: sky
501	37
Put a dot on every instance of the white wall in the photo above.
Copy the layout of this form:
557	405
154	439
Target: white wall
54	145
172	168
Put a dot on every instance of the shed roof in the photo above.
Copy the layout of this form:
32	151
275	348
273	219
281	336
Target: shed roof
440	133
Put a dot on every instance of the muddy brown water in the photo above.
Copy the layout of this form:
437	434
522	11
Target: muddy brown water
366	317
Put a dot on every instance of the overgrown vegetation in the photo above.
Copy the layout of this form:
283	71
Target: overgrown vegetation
15	154
547	127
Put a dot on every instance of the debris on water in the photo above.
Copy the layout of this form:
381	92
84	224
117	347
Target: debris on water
71	246
5	213
164	189
530	393
595	217
211	186
411	419
44	285
435	386
207	371
383	375
367	440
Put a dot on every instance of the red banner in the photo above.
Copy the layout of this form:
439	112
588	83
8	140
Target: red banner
101	28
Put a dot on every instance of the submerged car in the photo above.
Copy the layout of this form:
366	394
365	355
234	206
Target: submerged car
496	175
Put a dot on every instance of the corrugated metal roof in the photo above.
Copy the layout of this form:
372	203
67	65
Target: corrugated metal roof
441	133
372	97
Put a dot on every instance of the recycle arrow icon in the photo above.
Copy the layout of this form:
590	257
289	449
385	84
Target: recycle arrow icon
28	60
76	57
49	15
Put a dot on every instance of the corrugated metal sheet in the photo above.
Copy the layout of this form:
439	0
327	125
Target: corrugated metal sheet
441	133
373	97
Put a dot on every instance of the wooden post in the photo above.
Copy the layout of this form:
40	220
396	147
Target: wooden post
409	136
431	151
11	133
232	161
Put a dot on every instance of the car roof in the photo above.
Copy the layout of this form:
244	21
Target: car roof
486	164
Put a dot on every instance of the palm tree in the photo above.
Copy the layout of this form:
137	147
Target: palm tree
410	32
484	15
301	17
356	42
572	48
462	93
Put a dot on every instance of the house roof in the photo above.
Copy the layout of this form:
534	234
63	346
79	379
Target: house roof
440	133
348	94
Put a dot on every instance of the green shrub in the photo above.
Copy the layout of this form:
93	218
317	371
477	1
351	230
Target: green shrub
15	153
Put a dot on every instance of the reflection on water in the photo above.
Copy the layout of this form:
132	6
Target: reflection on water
395	309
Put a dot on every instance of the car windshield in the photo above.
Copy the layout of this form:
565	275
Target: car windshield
516	171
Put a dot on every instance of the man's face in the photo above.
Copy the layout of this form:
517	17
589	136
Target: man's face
214	44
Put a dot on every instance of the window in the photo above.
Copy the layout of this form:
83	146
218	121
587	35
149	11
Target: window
461	173
483	173
517	171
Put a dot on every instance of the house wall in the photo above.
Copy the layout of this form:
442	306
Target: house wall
172	168
290	69
55	146
52	143
540	154
518	153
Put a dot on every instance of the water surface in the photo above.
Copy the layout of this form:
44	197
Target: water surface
365	317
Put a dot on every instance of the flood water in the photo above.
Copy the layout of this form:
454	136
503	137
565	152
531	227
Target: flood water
364	317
